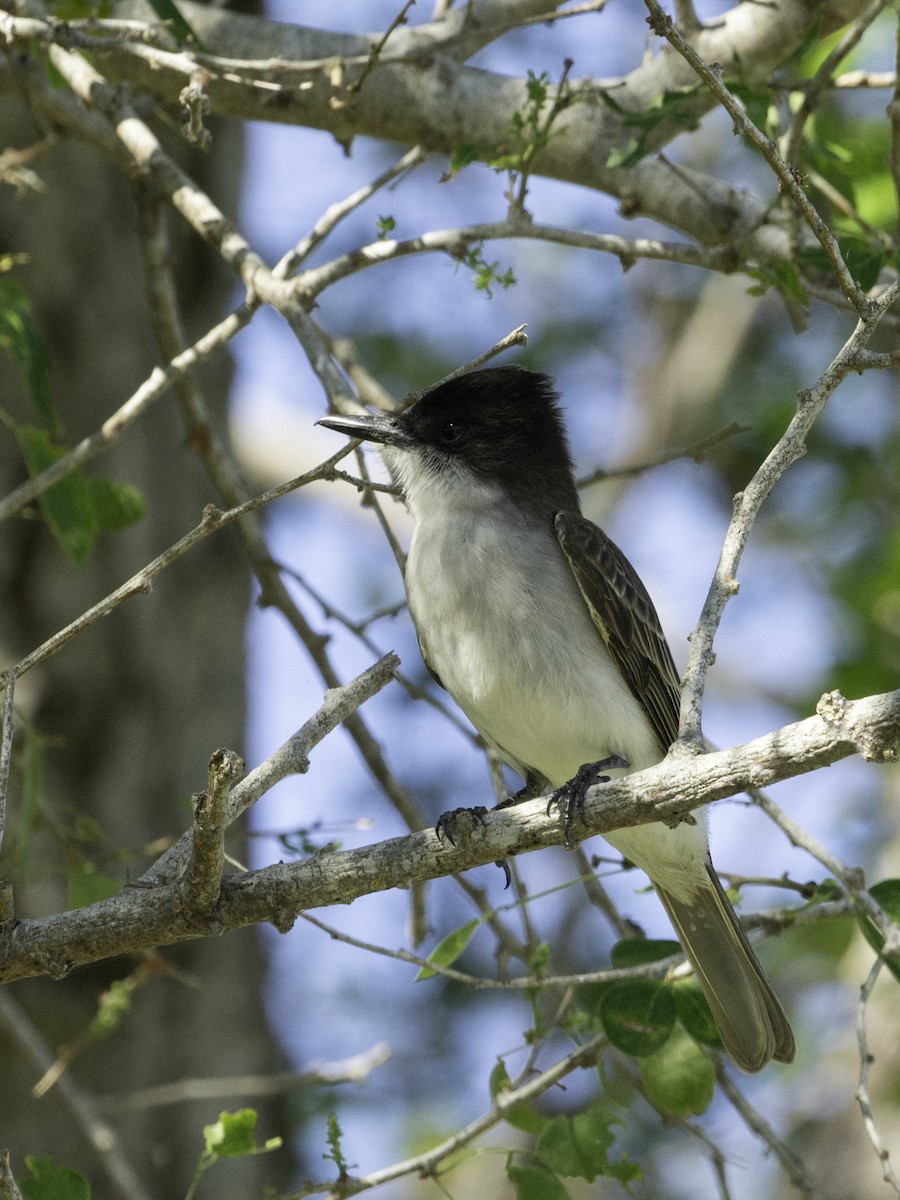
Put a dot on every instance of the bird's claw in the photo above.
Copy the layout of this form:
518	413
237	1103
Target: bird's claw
569	799
446	830
448	822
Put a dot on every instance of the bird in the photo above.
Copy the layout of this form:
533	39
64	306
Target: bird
543	633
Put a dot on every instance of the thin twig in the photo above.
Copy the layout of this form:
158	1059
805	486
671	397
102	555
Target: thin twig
850	878
654	970
793	1165
399	19
517	337
355	1069
291	758
6	746
140	583
663	25
455	243
790	447
428	1163
333	216
696	451
866	1058
156	385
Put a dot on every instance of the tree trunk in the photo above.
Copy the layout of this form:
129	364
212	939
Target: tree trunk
127	714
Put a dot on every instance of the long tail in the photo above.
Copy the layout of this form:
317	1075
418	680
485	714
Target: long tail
749	1016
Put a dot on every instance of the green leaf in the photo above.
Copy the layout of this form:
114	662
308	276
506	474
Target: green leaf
385	226
522	1116
115	1002
53	1183
88	886
66	506
179	28
679	1078
887	895
20	338
32	791
783	276
499	1078
232	1136
115	505
577	1146
638	1016
637	952
630	154
335	1147
826	889
449	948
74	10
694	1012
533	1181
864	260
463	155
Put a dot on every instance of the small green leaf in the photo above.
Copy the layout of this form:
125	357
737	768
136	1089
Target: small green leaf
74	10
864	261
628	155
53	1183
533	1181
638	1015
449	948
232	1136
86	885
694	1012
637	952
887	895
115	505
826	889
679	1078
462	156
20	338
115	1002
179	28
32	792
385	225
522	1116
577	1146
66	506
499	1078
335	1147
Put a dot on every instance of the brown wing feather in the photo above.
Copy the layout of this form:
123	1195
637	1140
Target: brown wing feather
625	618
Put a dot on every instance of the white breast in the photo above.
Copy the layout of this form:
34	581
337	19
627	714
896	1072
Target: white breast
505	627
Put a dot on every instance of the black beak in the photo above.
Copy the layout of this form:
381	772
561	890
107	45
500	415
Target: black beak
383	427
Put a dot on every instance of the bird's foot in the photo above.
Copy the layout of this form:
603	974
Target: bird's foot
459	822
570	797
449	826
532	788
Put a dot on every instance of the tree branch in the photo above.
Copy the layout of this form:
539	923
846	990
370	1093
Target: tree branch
790	447
143	915
418	95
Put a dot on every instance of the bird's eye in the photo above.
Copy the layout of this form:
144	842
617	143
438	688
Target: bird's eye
450	433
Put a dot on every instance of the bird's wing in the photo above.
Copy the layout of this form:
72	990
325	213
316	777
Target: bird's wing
428	667
625	617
